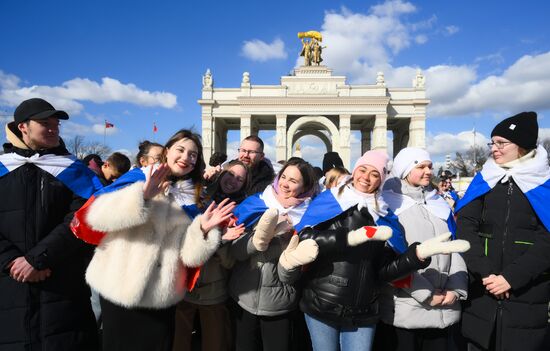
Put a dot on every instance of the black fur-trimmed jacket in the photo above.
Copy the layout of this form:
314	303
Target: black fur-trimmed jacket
341	286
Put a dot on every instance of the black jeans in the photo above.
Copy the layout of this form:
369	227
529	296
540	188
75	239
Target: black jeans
254	332
137	329
390	338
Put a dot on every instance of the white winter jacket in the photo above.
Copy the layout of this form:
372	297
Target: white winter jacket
409	307
141	261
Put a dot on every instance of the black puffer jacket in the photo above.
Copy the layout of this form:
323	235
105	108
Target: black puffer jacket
55	314
342	285
506	238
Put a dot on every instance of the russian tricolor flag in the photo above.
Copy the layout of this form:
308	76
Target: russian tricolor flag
531	176
250	210
87	234
66	168
330	203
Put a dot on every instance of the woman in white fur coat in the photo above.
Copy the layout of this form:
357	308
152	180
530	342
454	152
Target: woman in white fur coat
141	266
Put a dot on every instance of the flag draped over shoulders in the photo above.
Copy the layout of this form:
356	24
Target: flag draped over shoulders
182	192
250	210
531	176
332	202
66	168
433	203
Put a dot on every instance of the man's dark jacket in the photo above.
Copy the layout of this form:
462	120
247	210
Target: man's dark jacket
260	177
35	210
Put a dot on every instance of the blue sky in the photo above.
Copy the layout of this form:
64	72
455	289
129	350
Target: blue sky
138	62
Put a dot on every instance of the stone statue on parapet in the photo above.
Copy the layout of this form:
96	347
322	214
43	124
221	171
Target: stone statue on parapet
311	49
207	80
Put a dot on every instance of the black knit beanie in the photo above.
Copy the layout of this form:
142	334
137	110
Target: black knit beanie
331	160
521	129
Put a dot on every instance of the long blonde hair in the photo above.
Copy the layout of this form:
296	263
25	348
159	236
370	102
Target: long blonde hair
333	175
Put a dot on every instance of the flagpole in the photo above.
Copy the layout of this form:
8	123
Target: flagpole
104	133
475	151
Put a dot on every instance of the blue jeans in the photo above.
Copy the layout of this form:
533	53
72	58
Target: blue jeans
327	337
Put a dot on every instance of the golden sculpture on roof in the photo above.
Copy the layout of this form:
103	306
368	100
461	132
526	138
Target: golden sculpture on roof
311	49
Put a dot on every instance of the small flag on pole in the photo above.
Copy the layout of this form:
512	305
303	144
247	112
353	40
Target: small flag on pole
109	125
155	129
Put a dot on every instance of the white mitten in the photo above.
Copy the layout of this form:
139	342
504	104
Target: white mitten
298	253
441	245
265	229
364	234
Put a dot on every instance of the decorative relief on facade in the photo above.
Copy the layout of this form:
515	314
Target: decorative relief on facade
311	88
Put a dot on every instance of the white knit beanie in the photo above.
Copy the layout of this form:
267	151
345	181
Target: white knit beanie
407	159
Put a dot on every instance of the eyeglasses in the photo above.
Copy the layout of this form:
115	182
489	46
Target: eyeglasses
251	152
154	158
498	144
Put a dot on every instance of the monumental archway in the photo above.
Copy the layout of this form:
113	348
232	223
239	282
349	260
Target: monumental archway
318	133
313	101
313	125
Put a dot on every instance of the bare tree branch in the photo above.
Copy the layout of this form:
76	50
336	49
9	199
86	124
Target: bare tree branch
79	147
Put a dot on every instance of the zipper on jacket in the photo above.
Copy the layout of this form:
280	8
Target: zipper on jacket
505	234
358	290
498	336
42	200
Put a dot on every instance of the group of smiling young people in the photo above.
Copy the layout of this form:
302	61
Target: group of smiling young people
378	253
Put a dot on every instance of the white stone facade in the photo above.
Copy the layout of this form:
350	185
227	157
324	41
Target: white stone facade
312	101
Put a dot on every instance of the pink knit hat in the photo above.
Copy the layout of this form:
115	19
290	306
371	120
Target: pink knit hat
375	158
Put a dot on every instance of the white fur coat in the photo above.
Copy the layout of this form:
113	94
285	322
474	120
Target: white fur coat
141	261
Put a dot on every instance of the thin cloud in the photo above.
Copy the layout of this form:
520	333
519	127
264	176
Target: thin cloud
522	86
258	50
393	8
496	58
69	95
421	39
100	129
70	128
448	144
359	45
451	30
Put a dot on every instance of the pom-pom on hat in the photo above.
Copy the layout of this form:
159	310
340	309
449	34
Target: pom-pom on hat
407	159
521	129
375	158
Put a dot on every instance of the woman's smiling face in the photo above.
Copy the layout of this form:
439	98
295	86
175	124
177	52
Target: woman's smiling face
291	182
182	156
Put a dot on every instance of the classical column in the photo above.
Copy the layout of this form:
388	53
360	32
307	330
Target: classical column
400	139
380	132
417	131
280	137
254	127
207	136
223	146
365	140
345	136
246	124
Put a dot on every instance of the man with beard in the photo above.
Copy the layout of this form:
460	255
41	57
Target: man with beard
251	153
